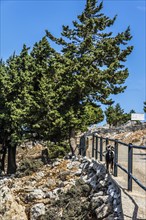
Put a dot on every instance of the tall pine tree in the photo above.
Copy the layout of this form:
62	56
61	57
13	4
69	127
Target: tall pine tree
94	66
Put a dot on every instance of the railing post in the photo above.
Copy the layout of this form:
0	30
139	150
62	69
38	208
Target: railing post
85	147
96	149
79	146
106	142
93	145
101	149
130	162
116	159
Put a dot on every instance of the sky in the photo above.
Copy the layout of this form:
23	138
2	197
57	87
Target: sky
25	22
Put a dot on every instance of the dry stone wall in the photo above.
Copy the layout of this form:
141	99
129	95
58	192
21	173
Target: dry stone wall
74	189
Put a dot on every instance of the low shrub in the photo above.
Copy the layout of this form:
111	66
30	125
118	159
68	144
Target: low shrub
28	166
58	150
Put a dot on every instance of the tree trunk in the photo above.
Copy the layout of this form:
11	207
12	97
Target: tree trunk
72	141
11	160
45	156
4	151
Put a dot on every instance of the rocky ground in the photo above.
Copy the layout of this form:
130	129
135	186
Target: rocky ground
73	189
64	189
137	137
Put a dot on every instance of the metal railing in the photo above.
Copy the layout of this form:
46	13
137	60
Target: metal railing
97	150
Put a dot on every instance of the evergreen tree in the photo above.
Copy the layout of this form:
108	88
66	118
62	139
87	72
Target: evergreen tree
115	115
94	65
110	115
15	99
3	112
46	120
53	95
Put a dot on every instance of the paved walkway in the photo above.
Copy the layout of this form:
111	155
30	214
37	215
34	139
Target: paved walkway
133	203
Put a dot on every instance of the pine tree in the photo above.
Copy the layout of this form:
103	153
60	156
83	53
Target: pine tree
110	115
53	95
15	102
94	65
45	117
3	113
115	115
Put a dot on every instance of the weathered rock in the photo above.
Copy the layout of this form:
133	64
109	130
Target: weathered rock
103	211
78	172
39	175
50	182
9	207
63	175
66	189
37	211
69	166
36	194
56	163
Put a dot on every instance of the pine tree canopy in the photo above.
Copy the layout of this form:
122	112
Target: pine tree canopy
93	59
50	93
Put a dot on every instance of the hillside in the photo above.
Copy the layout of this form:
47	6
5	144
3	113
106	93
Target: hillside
63	189
137	137
38	191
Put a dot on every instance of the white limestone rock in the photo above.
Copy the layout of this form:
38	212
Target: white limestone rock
36	211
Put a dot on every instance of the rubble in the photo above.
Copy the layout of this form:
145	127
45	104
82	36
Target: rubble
76	189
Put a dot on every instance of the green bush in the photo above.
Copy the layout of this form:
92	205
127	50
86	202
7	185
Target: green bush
58	150
28	166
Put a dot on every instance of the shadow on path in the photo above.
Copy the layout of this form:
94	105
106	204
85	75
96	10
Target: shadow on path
135	211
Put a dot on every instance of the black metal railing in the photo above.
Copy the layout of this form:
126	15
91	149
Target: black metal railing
97	150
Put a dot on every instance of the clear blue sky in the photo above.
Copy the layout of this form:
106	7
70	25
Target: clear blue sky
26	22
